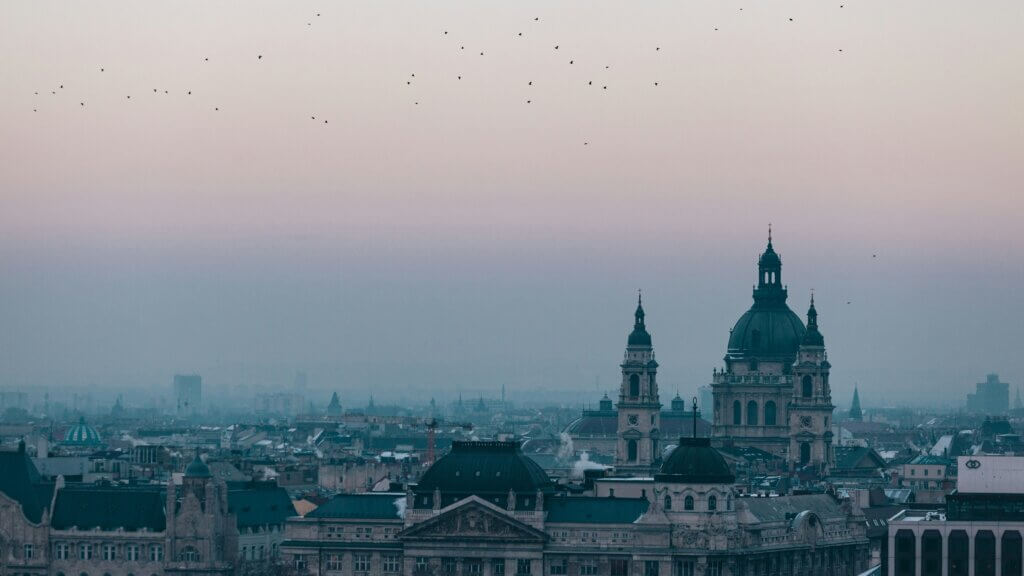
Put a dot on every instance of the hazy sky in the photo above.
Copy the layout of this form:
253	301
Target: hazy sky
442	234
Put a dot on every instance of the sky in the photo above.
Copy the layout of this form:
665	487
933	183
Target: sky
249	189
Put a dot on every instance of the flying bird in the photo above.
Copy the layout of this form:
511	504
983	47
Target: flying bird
260	57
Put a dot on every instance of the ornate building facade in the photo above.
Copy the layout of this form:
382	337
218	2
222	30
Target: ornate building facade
94	530
485	509
773	392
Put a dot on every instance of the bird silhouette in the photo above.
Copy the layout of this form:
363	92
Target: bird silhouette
530	83
101	69
570	61
556	47
259	57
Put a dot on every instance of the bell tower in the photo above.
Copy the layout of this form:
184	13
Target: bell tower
639	410
810	410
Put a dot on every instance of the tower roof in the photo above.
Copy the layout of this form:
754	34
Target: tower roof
639	336
812	337
82	434
197	468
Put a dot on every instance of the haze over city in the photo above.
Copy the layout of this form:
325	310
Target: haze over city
441	234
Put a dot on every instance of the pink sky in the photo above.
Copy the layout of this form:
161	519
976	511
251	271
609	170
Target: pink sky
125	224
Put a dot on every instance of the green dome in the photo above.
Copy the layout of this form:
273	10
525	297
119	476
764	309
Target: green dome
695	462
82	434
766	333
197	469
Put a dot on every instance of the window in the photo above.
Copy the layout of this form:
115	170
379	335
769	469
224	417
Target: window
769	413
245	553
188	554
61	550
712	503
631	452
684	568
522	567
751	413
131	552
109	552
85	551
737	413
334	562
422	564
925	471
27	551
498	567
449	565
668	502
360	562
619	567
472	568
714	568
588	568
558	568
634	385
273	550
260	555
805	453
300	562
651	567
807	386
156	553
688	503
391	563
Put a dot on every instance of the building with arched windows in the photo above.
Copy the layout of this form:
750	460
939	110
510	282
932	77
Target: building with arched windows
773	392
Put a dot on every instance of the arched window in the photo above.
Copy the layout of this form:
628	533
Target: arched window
737	413
188	554
808	386
712	502
634	385
688	503
631	454
769	413
668	502
751	413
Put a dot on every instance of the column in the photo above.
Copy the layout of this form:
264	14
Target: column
971	533
999	551
892	551
945	551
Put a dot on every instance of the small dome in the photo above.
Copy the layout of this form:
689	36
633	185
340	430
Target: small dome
82	434
197	469
695	462
769	258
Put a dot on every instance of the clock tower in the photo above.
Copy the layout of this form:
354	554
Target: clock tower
639	410
810	410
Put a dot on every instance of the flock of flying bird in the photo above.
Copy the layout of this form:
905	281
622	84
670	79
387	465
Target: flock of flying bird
571	61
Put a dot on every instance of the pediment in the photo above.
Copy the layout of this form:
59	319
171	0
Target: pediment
632	434
473	520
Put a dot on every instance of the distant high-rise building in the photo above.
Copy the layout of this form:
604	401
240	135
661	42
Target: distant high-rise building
855	412
188	394
1017	404
990	396
707	399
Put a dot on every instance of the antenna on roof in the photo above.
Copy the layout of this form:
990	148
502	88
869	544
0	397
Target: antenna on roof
695	417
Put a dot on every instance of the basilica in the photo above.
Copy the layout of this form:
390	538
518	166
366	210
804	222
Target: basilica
487	509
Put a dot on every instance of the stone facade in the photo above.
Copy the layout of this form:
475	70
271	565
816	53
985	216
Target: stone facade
639	408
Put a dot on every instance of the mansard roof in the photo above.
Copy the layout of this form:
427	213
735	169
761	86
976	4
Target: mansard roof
368	506
20	481
109	508
485	468
260	504
594	510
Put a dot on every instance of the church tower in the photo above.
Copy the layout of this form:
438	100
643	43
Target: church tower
855	411
810	410
639	410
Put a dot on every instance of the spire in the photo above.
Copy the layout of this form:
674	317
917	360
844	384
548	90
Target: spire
769	235
812	337
855	412
769	288
639	336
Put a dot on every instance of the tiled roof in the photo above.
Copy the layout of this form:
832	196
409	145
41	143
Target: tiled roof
592	510
361	506
783	508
